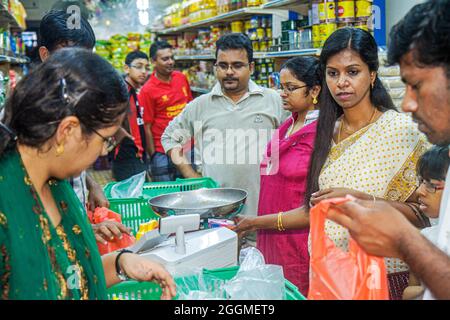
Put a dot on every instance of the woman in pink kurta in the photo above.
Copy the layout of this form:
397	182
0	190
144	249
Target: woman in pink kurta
284	191
284	169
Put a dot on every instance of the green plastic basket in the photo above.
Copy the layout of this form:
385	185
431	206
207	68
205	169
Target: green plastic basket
133	290
153	189
135	211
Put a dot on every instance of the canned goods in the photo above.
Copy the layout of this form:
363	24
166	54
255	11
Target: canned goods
331	11
322	12
237	26
254	22
263	45
346	11
269	33
305	38
289	25
316	36
363	10
315	13
326	30
248	25
261	33
255	45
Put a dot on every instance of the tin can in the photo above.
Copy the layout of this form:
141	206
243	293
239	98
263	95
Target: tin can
289	25
363	10
237	26
326	30
248	24
255	45
263	45
315	13
346	11
322	12
331	11
305	38
261	33
316	38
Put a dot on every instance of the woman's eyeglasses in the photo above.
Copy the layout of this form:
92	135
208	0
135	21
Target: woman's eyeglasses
110	142
289	90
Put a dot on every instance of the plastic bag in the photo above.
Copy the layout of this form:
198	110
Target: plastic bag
129	188
255	280
200	285
104	214
339	275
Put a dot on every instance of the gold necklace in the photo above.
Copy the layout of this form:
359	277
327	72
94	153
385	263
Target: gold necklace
370	121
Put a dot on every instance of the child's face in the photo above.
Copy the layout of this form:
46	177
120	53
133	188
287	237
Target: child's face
430	195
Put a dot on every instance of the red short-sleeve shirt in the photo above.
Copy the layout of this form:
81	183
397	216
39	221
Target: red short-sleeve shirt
163	101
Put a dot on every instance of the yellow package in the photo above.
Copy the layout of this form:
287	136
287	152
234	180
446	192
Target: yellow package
146	227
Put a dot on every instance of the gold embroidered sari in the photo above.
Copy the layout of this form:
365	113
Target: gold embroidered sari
379	160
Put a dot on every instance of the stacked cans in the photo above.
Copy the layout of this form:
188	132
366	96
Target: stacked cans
329	15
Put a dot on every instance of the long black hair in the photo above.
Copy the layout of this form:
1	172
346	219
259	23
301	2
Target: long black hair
363	43
305	69
72	82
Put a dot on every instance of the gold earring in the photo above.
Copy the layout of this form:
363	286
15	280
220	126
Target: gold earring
59	150
315	101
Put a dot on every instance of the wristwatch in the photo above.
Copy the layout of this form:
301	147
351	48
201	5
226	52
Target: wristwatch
119	272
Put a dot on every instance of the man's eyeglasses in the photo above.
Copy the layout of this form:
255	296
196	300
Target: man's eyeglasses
141	68
238	66
110	142
429	186
289	90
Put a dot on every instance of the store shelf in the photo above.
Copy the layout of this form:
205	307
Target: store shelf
226	17
196	57
256	55
200	90
284	4
7	18
292	53
14	60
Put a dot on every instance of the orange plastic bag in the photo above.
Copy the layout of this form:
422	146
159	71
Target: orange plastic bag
104	214
339	275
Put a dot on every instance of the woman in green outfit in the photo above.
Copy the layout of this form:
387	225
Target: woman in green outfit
58	120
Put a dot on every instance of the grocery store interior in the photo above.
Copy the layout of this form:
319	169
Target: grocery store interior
169	222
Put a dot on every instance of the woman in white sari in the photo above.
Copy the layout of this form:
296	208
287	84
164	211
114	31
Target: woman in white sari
364	147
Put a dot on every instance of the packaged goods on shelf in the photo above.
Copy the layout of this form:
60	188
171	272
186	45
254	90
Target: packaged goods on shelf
328	15
118	46
263	70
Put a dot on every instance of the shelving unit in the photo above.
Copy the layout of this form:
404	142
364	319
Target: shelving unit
226	17
280	10
259	55
7	20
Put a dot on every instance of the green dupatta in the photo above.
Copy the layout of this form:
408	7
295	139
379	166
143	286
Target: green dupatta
37	260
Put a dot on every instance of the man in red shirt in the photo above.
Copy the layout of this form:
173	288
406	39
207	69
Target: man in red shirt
163	97
130	156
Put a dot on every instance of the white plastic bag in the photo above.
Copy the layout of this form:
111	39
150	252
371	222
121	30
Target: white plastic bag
129	188
256	280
